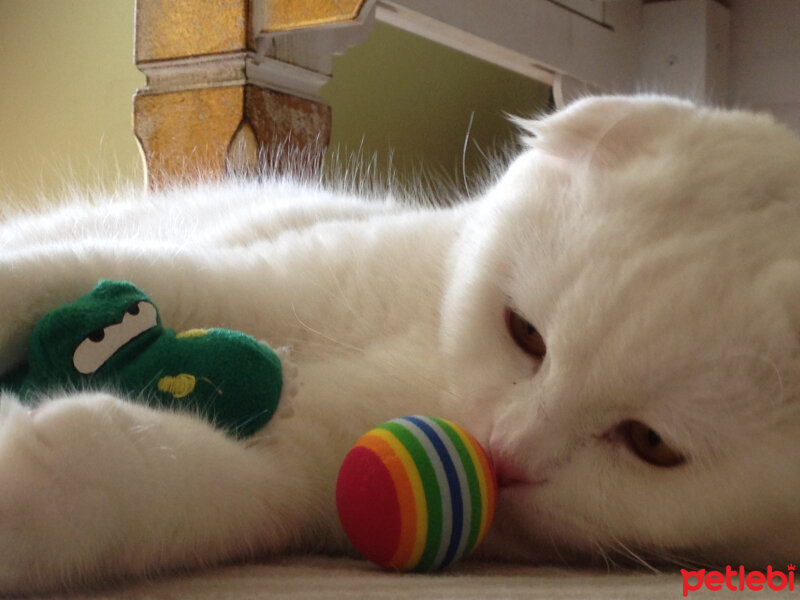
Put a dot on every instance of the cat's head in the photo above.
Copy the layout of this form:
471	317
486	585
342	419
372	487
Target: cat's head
623	328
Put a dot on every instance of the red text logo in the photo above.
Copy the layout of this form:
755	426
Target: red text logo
738	580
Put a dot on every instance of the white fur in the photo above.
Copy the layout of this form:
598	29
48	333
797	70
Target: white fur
655	245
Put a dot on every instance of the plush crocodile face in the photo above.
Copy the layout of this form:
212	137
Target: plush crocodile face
106	345
100	332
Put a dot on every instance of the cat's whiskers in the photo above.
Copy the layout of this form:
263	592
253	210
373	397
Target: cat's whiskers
333	340
661	557
624	550
601	552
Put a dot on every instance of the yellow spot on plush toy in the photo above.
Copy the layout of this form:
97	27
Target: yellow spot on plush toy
192	333
179	386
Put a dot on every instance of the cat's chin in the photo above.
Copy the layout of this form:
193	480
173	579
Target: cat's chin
509	543
524	533
516	539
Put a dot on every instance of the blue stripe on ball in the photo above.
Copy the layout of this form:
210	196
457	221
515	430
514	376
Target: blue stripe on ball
456	493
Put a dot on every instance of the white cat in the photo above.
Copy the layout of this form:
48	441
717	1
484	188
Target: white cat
617	319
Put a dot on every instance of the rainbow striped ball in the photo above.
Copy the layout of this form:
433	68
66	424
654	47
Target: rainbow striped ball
416	494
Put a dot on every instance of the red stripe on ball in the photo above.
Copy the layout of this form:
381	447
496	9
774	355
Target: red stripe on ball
368	507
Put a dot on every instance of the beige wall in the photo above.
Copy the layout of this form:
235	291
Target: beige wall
402	92
68	78
65	107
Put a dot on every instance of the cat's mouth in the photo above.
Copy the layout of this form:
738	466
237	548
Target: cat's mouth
510	474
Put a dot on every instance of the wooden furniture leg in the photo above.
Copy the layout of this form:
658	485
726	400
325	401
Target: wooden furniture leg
234	84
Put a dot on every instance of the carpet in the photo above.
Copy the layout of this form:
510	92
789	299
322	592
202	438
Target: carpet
301	578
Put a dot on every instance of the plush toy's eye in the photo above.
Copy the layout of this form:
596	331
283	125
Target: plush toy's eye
648	445
101	344
525	335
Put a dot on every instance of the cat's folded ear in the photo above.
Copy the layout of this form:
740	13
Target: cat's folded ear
603	130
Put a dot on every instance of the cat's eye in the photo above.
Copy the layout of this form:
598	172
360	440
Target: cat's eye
525	335
647	444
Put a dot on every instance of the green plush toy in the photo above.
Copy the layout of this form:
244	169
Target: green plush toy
113	338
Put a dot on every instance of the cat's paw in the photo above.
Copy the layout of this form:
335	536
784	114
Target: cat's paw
94	488
60	490
28	482
37	486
